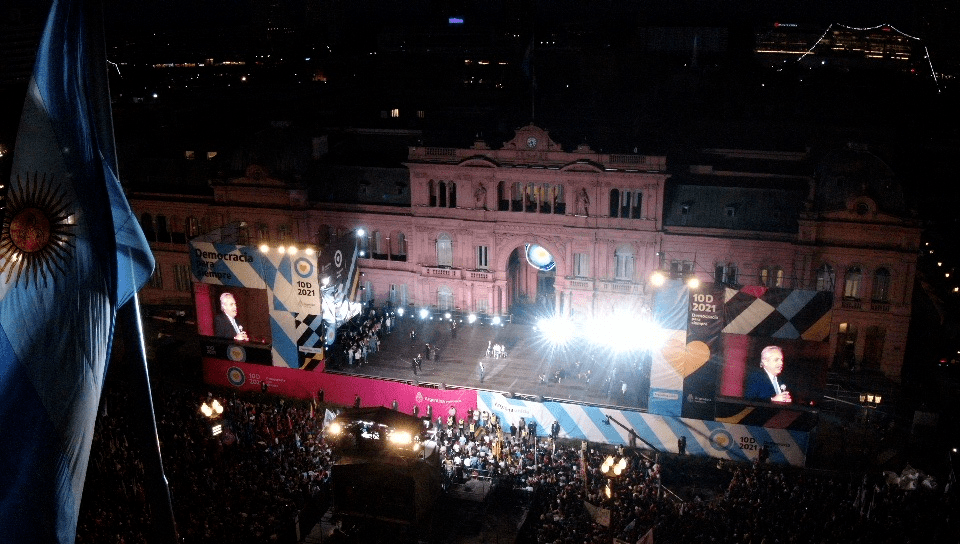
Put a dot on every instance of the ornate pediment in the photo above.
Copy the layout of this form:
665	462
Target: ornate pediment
532	138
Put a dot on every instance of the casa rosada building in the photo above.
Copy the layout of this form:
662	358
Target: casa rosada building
451	230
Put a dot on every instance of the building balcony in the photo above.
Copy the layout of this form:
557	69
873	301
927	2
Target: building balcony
581	284
851	304
620	287
480	275
879	306
441	272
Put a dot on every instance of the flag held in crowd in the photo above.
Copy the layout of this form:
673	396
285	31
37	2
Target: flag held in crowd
71	253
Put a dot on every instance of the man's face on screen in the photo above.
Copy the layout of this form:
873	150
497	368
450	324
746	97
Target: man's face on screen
772	362
229	305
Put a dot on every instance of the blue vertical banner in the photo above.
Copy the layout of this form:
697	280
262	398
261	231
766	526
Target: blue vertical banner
71	253
704	351
671	312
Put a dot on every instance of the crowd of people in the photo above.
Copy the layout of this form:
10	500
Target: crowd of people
271	463
248	484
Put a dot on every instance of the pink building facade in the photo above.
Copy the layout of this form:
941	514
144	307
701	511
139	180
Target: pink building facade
609	221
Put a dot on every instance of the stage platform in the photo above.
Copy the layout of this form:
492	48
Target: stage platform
529	369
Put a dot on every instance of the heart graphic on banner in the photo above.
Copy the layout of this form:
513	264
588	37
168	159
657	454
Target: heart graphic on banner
685	358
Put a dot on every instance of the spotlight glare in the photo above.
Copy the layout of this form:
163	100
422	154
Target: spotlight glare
424	313
472	318
658	278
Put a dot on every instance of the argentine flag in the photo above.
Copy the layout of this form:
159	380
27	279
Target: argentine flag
71	253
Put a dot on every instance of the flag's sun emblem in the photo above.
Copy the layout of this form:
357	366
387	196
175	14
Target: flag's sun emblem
36	238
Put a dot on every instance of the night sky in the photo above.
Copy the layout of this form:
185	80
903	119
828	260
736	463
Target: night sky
163	15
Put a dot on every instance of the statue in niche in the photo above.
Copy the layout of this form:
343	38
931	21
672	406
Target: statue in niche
480	195
583	202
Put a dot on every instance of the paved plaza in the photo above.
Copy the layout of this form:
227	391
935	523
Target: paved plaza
530	368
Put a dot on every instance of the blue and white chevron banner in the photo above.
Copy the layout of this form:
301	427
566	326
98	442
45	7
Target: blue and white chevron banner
290	282
621	427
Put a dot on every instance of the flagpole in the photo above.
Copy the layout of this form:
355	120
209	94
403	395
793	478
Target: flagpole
144	423
128	321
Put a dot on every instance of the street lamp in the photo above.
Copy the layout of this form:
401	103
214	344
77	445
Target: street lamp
212	411
612	468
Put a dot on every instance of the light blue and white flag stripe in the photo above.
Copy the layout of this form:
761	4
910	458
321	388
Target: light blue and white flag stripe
71	252
624	427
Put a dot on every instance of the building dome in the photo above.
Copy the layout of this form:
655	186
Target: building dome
845	175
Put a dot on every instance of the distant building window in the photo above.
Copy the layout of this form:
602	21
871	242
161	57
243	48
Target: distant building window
881	285
394	296
725	274
730	211
444	250
444	298
482	257
623	263
680	269
581	265
193	227
263	233
771	276
395	112
283	233
483	306
420	114
181	277
211	154
626	203
826	280
190	155
378	247
399	248
851	283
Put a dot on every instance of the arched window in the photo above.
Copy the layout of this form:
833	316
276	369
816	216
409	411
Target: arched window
881	285
432	188
452	200
623	263
444	298
503	196
826	279
444	250
851	283
192	227
614	202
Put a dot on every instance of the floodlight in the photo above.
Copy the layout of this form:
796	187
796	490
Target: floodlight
424	313
401	437
658	278
472	318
